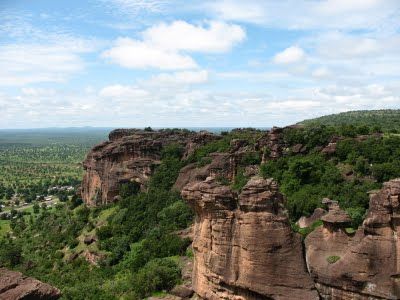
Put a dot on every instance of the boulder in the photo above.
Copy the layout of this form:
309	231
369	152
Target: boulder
16	286
304	222
182	291
89	239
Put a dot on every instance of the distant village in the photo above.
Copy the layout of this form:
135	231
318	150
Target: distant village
17	202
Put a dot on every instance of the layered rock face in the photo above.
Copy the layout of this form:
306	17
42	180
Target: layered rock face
15	286
130	155
363	265
243	244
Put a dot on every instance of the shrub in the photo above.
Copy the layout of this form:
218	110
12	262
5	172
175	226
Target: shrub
240	180
156	275
129	188
332	259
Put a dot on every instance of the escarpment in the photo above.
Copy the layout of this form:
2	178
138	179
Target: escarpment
15	286
243	244
131	155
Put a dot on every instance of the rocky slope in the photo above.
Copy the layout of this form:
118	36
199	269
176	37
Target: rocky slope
15	286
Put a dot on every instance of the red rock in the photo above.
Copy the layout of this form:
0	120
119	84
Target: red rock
130	155
304	222
243	245
368	266
15	286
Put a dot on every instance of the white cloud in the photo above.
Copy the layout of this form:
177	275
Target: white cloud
290	55
178	78
163	46
321	73
180	35
121	91
22	64
328	14
35	55
131	53
135	7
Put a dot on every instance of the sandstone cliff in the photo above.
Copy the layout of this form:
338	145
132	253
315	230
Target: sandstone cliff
362	265
15	286
243	244
130	155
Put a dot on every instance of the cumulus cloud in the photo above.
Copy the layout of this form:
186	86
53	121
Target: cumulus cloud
140	105
131	53
290	55
163	46
180	35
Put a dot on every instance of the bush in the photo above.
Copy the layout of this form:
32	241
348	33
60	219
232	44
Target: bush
10	254
129	188
156	275
332	259
240	180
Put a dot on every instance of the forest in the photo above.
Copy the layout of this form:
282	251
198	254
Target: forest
32	161
134	241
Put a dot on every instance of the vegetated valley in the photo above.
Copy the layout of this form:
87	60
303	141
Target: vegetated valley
136	245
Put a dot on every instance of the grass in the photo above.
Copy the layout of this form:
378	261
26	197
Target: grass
332	259
350	230
4	227
160	294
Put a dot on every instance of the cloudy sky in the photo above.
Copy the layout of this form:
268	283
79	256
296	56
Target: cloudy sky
177	63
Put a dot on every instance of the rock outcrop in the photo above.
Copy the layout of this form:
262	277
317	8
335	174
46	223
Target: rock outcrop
304	222
362	265
131	155
243	244
15	286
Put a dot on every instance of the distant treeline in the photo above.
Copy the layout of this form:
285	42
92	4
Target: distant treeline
386	120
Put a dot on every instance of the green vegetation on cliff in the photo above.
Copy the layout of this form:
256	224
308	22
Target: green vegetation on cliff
346	175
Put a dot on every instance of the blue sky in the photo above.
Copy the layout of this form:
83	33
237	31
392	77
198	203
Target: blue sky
161	63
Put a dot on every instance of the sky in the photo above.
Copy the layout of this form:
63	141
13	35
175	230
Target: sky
181	63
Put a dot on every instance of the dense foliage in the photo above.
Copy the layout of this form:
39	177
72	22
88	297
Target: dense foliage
387	120
357	166
137	248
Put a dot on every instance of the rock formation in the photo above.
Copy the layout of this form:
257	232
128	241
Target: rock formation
362	265
15	286
304	222
130	155
243	244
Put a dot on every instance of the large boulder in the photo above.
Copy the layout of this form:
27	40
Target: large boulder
16	286
361	265
243	245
